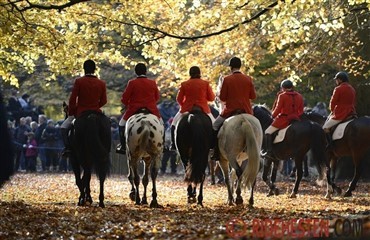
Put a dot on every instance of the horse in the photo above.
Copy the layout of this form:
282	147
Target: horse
193	138
240	135
6	148
355	143
301	136
90	140
144	141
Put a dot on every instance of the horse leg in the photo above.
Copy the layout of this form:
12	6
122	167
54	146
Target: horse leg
154	173
266	169
200	195
145	181
333	166
224	164
354	181
137	183
102	177
251	199
298	178
79	183
87	179
212	166
131	180
275	166
239	198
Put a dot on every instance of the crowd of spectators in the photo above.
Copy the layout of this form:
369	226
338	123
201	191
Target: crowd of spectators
37	140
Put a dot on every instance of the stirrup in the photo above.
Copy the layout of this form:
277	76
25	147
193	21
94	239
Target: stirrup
120	149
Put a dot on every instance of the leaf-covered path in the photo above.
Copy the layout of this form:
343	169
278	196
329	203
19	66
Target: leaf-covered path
43	206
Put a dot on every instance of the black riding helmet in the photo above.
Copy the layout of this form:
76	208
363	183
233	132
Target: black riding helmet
342	76
235	62
286	84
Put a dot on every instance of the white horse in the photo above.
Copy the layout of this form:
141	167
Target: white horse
144	141
240	141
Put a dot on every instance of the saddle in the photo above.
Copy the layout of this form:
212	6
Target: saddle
143	110
337	131
237	112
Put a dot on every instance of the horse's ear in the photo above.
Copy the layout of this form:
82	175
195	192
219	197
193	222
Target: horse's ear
64	104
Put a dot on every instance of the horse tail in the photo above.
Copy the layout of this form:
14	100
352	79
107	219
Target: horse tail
318	150
200	144
250	172
98	139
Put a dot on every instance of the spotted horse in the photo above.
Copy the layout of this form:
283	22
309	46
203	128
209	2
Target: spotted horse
144	142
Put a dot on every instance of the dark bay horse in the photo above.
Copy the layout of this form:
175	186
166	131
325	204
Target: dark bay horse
90	141
144	141
300	137
240	140
193	140
355	143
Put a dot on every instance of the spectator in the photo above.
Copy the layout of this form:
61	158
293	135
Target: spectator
34	126
14	107
167	154
24	101
40	142
31	152
320	108
20	138
49	135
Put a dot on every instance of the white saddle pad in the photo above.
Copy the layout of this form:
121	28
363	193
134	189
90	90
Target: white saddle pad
339	131
281	135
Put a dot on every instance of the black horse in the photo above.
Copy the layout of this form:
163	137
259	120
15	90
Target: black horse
90	141
193	141
355	143
6	147
299	139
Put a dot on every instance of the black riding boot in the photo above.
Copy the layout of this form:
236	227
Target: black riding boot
67	148
268	145
329	141
216	150
121	147
173	146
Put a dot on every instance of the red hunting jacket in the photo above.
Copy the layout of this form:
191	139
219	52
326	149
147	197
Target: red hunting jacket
88	93
237	91
342	102
195	91
140	92
289	106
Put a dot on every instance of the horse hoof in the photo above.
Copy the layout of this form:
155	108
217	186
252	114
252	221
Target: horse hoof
293	195
132	195
191	200
348	194
102	205
81	202
276	191
338	190
271	193
239	201
144	202
154	204
89	201
328	196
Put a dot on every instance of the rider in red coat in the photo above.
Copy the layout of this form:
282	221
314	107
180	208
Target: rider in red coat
288	106
193	92
342	102
236	93
88	93
140	93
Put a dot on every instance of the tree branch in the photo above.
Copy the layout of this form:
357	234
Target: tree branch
46	7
